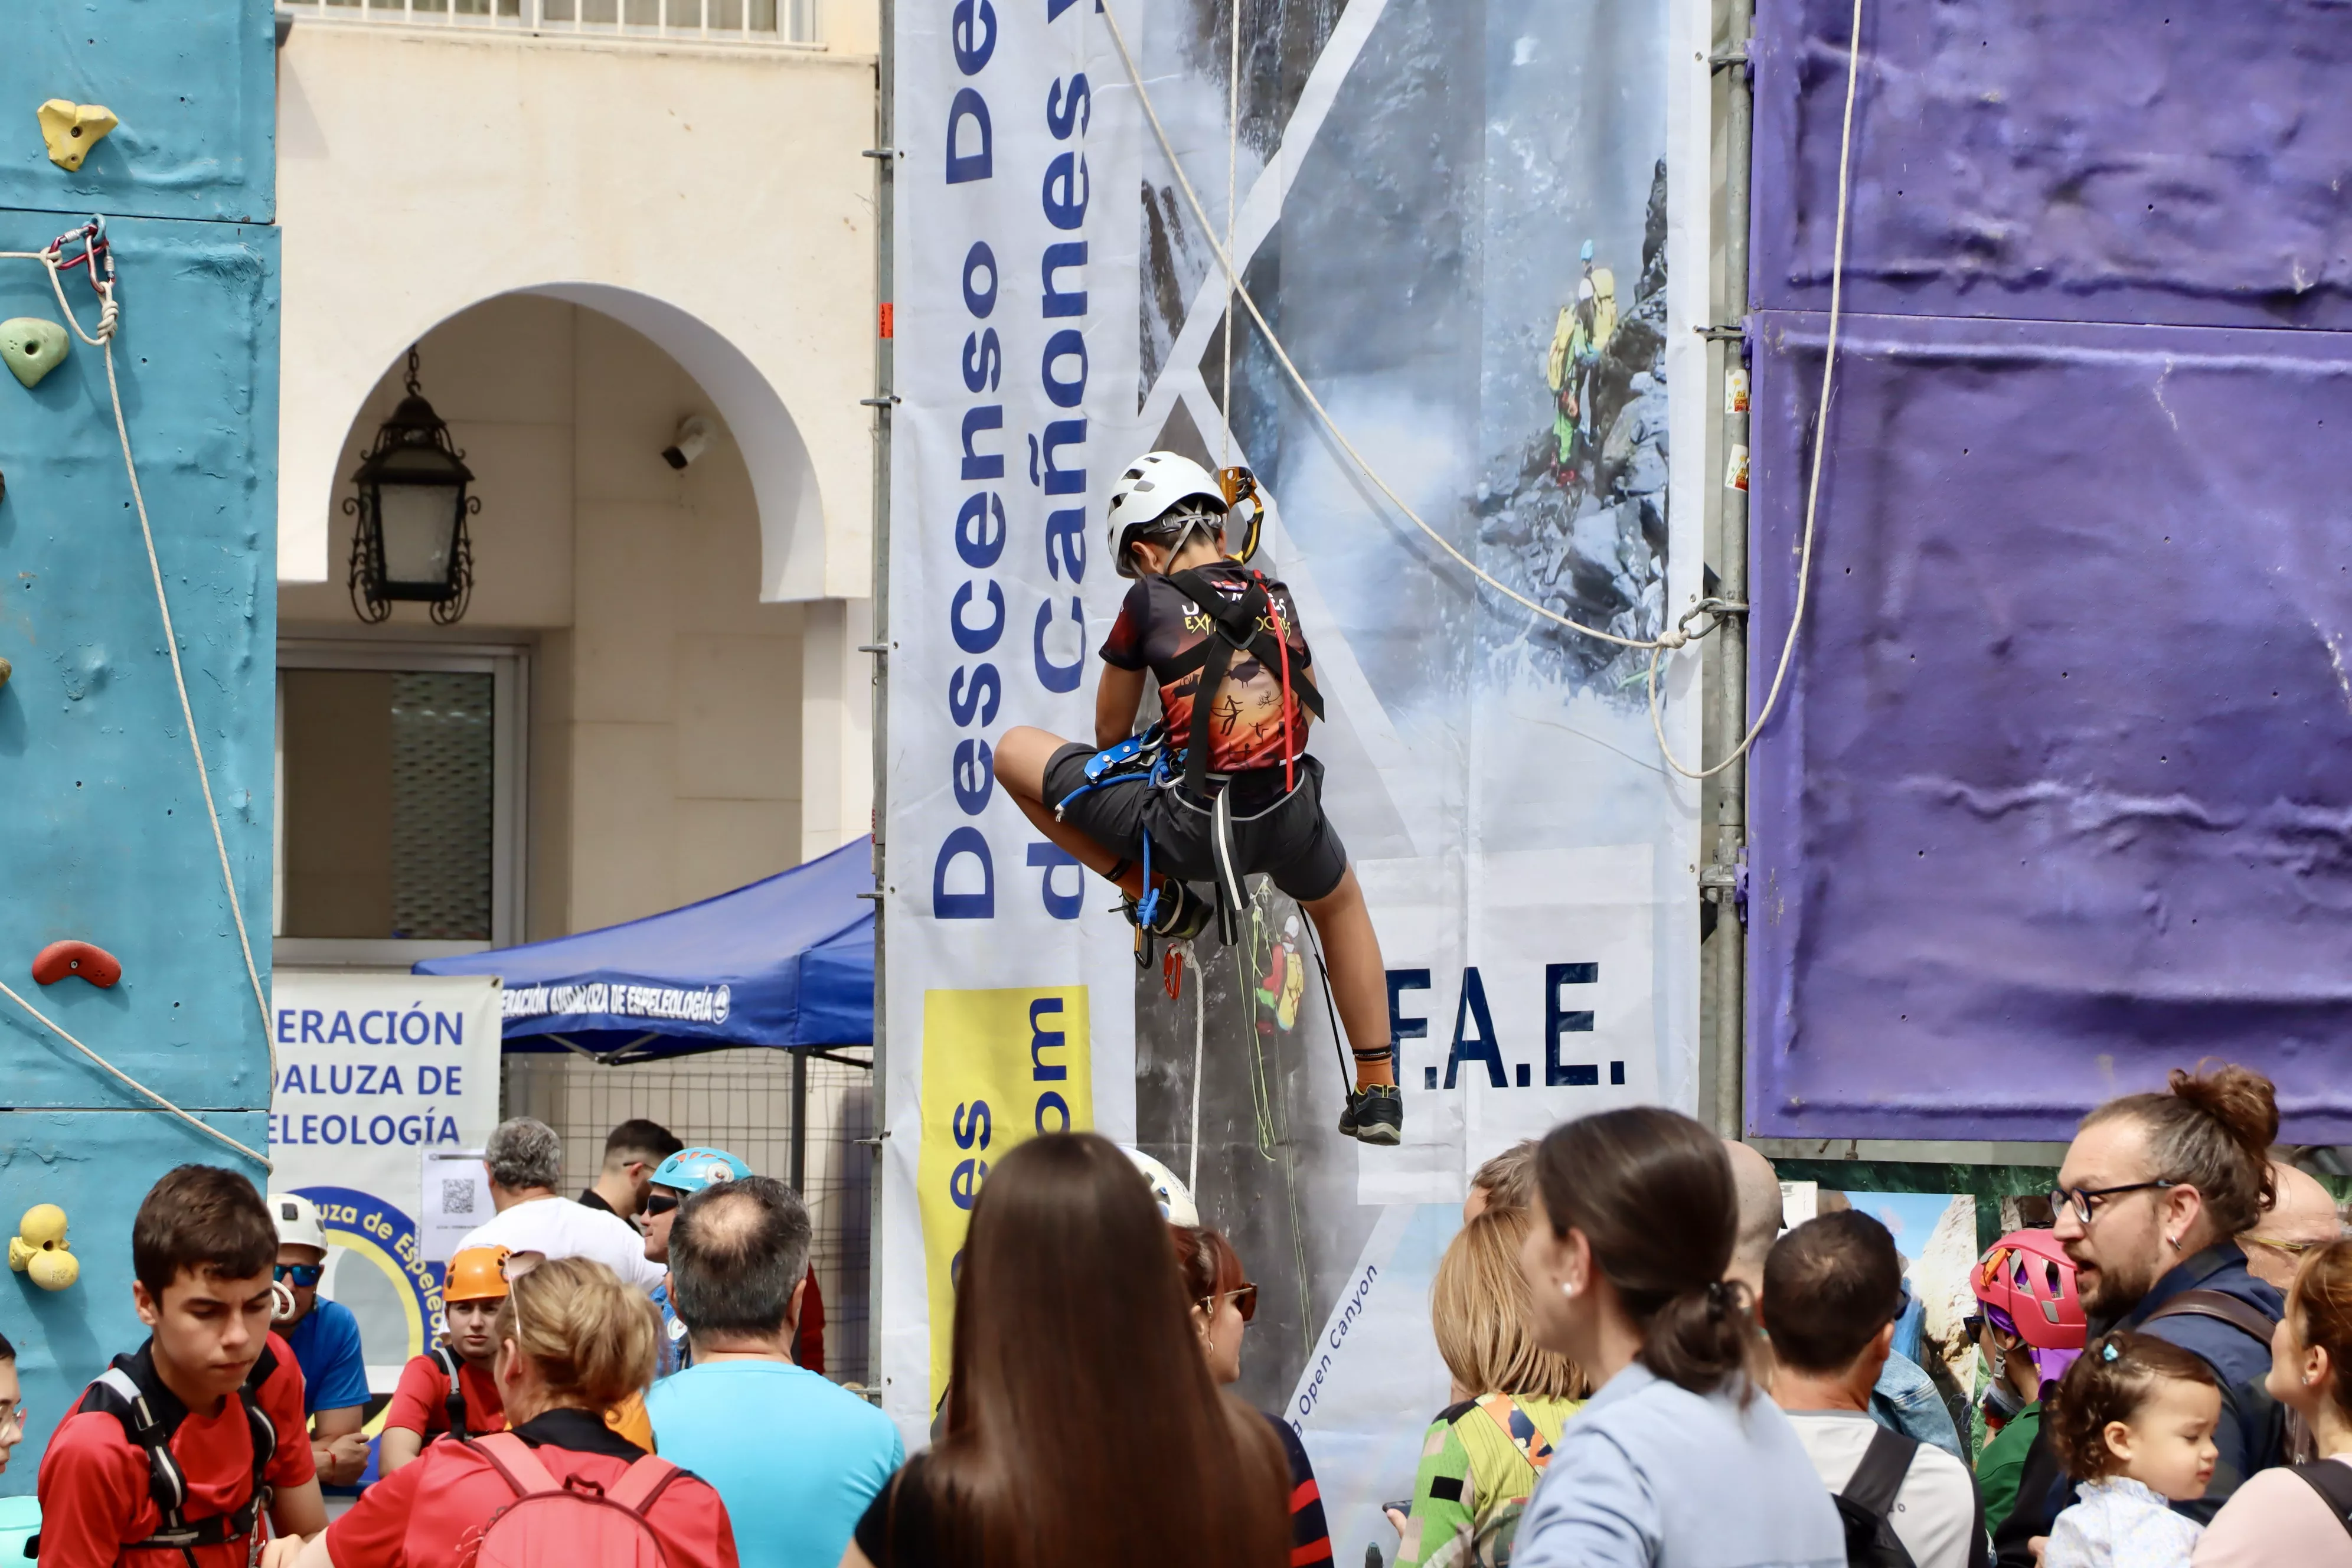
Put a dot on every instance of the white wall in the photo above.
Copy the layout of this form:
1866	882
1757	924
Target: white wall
713	196
687	737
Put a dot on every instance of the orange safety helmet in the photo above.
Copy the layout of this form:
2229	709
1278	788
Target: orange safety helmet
476	1273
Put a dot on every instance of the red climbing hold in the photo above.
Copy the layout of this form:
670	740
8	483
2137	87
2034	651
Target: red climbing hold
92	962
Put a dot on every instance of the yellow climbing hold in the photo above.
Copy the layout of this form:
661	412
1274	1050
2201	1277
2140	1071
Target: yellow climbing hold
33	347
72	129
55	1269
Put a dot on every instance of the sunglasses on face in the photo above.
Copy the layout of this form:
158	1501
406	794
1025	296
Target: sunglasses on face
302	1276
1245	1298
660	1203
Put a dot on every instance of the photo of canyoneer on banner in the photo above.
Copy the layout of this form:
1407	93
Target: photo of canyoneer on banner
1470	229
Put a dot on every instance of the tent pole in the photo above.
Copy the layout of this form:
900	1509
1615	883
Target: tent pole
800	1123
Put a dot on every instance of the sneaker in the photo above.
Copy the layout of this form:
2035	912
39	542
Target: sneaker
1374	1115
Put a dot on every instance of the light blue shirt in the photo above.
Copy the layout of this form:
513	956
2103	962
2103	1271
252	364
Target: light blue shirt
795	1458
1650	1475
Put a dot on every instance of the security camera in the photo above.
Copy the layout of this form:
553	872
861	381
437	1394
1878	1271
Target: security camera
693	439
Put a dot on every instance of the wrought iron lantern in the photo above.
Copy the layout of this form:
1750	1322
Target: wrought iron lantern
411	508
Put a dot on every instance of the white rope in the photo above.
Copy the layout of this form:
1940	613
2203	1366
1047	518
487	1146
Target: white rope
108	1068
109	319
1200	1053
1821	440
1282	356
1232	208
1669	638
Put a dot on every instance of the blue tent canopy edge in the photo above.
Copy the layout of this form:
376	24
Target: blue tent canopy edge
786	961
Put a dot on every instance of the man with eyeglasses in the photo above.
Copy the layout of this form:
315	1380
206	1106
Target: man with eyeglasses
325	1339
2153	1192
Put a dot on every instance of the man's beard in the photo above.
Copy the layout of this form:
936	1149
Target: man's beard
2117	1287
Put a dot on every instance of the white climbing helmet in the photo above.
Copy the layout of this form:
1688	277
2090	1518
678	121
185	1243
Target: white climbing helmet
297	1221
1152	486
1175	1202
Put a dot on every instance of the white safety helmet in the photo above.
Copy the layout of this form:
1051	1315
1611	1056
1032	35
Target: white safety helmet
1175	1202
297	1221
1154	485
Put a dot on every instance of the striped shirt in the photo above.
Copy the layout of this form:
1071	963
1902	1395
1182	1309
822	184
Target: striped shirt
1310	1537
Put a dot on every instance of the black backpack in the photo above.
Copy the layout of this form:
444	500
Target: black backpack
1868	1499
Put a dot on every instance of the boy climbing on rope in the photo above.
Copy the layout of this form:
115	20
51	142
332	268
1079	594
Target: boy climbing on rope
1224	788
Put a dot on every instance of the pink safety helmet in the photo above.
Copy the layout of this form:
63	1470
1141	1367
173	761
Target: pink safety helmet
2027	1279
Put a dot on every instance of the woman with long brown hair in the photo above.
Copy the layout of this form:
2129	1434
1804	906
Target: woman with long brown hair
1084	1429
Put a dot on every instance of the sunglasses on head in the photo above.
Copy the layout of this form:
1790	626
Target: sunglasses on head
303	1275
1244	1301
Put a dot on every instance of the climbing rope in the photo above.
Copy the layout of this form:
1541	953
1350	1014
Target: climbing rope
1200	1055
109	1068
97	257
1820	436
1233	210
1676	637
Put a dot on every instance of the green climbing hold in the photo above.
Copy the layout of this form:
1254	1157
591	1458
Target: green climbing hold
32	347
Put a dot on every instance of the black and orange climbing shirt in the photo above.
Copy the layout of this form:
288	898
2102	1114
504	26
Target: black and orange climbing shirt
1158	627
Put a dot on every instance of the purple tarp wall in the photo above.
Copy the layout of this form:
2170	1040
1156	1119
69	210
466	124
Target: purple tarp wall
2062	792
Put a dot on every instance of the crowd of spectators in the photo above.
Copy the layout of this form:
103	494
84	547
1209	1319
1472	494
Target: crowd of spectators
1649	1369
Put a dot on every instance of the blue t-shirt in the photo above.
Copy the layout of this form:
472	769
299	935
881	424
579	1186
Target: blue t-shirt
327	1344
795	1458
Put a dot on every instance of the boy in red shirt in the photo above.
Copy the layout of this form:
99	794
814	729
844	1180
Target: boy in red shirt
214	1398
470	1295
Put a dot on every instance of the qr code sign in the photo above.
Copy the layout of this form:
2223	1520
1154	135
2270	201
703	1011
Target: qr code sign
456	1195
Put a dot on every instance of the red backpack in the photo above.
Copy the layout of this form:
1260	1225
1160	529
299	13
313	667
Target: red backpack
574	1522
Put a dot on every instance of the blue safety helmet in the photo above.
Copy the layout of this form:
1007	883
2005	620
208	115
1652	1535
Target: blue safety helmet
691	1170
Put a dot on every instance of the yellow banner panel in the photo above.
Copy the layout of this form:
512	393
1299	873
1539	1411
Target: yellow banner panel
999	1066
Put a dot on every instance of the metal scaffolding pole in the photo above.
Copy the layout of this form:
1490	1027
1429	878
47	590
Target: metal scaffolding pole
886	168
1723	992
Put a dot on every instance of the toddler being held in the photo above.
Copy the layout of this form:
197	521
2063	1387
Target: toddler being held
2132	1419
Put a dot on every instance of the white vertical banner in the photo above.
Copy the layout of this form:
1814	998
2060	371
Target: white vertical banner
1009	977
374	1073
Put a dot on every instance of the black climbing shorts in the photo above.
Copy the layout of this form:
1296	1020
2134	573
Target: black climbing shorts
1289	838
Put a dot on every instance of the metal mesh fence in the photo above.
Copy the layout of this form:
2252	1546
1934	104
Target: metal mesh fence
741	1101
442	765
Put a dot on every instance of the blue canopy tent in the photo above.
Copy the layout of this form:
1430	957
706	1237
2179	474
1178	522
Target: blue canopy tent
787	961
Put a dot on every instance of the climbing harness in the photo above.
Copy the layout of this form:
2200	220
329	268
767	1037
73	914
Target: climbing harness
1673	637
131	1391
96	258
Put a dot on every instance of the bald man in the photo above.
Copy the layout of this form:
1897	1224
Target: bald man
1905	1399
1761	1219
2304	1216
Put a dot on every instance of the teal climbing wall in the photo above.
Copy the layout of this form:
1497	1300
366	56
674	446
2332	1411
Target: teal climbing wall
103	835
